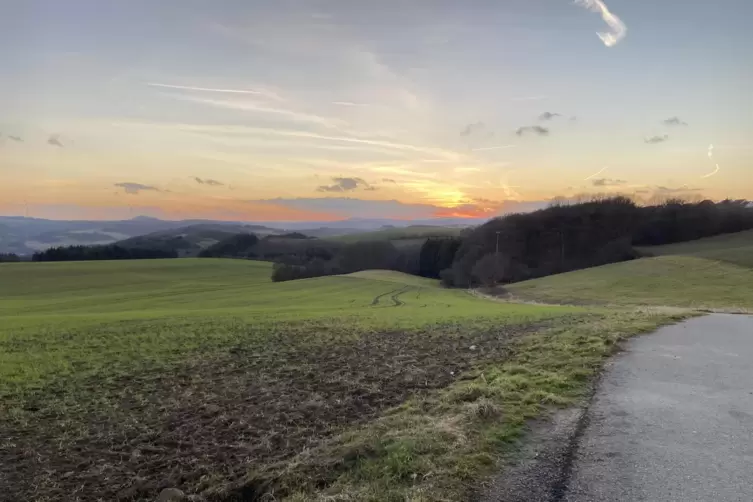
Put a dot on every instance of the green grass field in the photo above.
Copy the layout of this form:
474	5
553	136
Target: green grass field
734	248
679	281
118	379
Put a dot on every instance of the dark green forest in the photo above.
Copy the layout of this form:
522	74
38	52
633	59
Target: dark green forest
108	252
516	247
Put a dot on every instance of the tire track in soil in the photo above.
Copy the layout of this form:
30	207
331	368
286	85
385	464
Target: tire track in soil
378	298
396	297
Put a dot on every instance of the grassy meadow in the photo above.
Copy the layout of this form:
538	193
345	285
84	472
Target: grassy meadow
686	281
119	379
736	248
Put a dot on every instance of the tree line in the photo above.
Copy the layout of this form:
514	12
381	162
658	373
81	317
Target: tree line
106	252
9	258
516	247
565	237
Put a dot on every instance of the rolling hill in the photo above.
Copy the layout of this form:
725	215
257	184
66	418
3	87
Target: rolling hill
25	235
734	248
409	233
190	240
678	281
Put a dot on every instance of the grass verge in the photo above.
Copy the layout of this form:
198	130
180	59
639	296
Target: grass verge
439	447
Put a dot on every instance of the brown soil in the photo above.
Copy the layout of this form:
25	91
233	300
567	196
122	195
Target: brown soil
213	420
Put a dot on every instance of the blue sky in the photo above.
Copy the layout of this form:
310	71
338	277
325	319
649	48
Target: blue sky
301	109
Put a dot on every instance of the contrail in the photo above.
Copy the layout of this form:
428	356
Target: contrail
267	94
596	174
716	170
711	156
619	30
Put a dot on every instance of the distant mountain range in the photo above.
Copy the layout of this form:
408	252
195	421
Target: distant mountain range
24	236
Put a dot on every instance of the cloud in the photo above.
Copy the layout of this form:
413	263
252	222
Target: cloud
684	188
350	103
17	139
656	139
255	92
488	148
549	115
530	98
541	131
617	27
712	173
54	140
135	188
234	130
346	185
347	207
251	106
607	182
596	173
471	129
388	180
207	181
674	121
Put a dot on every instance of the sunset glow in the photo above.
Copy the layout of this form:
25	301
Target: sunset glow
391	109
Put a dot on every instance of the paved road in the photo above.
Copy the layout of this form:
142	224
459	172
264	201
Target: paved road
672	419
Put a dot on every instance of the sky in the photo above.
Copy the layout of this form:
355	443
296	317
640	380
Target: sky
284	110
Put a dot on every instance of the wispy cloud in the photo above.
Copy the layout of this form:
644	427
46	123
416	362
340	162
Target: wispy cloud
541	131
683	188
351	104
712	173
345	185
256	92
351	207
251	106
710	154
54	140
530	98
207	181
596	174
549	115
489	148
674	121
607	182
260	131
656	139
402	171
17	139
135	188
473	128
617	27
388	180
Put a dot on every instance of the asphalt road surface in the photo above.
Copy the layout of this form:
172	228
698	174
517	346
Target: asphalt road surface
672	419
